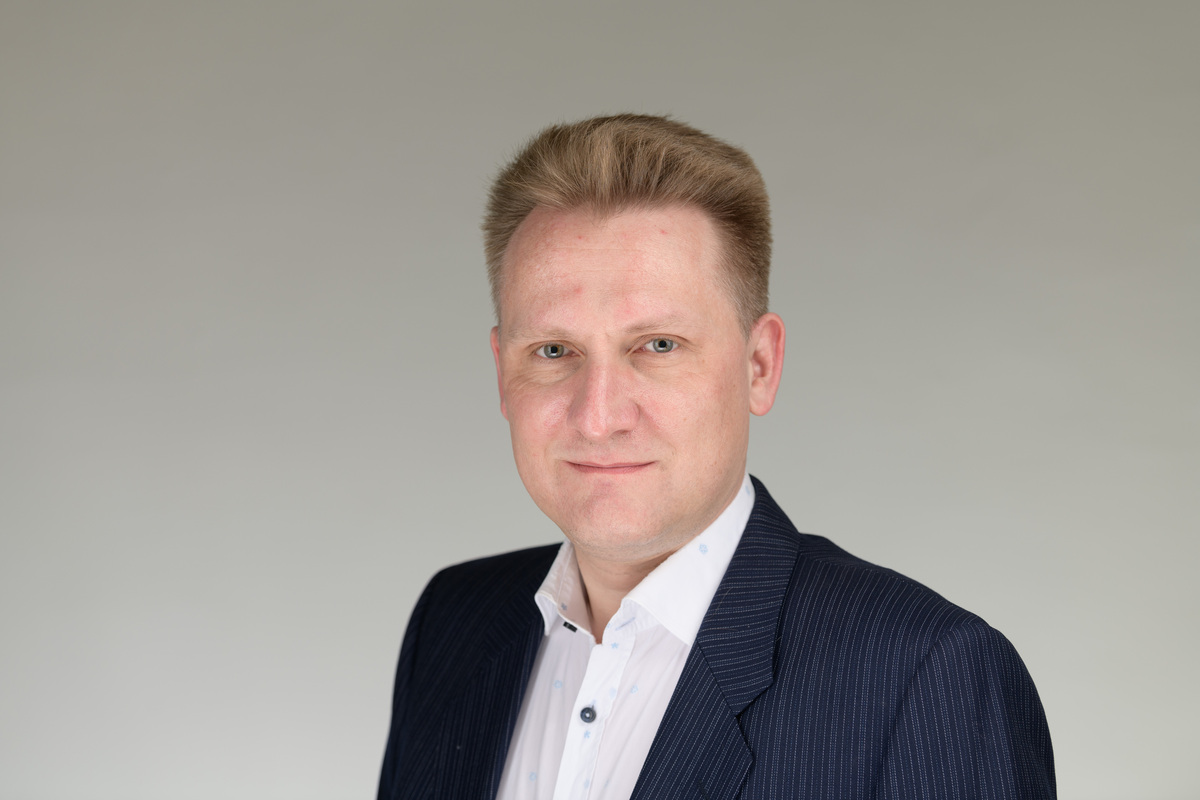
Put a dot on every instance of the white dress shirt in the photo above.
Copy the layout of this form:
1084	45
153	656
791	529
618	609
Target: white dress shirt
591	710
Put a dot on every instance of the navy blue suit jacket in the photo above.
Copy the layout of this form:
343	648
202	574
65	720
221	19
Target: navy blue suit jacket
814	674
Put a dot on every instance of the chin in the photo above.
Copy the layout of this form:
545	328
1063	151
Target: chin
620	538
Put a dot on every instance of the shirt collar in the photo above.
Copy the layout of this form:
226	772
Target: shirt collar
676	594
560	597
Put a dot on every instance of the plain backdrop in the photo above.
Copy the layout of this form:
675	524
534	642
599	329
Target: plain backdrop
247	405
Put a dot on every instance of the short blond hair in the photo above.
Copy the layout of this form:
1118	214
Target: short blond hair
611	164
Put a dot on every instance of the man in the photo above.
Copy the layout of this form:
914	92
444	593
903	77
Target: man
685	641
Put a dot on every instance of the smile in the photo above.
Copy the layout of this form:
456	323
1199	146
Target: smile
608	469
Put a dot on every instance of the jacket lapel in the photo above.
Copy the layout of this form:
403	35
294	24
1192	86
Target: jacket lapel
699	750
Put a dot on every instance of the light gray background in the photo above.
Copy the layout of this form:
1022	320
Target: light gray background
247	405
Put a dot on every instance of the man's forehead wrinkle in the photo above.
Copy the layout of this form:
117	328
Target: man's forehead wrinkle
537	269
637	326
549	257
620	309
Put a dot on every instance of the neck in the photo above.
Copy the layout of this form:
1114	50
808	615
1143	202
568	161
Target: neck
606	583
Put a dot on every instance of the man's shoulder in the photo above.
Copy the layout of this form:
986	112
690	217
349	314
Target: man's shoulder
502	565
835	590
868	676
835	593
469	610
494	584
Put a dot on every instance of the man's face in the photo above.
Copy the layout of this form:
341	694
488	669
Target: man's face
625	376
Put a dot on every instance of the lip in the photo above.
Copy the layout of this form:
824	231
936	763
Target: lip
617	468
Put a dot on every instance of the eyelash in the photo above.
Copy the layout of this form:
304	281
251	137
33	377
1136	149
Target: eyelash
541	350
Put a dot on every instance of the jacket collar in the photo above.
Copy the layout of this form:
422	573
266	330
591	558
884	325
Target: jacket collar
737	637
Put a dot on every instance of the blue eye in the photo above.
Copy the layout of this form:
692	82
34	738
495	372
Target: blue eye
661	345
552	350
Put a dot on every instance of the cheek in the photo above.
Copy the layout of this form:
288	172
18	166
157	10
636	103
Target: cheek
535	415
715	411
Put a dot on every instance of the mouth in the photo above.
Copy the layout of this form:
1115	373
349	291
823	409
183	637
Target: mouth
621	468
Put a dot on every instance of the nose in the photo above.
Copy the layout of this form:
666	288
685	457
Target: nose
604	403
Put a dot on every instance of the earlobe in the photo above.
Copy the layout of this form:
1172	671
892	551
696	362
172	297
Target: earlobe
767	340
499	377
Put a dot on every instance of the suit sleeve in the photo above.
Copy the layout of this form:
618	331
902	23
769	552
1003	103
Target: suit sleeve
970	725
400	731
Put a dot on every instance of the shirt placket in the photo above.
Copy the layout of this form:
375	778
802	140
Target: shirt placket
592	711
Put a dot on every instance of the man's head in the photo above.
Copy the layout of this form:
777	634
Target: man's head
627	369
606	165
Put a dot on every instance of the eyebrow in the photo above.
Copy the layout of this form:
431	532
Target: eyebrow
641	328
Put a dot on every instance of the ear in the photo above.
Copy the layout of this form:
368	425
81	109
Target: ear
499	378
766	343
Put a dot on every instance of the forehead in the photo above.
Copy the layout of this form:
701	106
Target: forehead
638	257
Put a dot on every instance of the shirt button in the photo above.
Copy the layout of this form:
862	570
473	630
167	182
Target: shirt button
588	714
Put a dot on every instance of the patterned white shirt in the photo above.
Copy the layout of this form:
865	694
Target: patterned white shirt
591	710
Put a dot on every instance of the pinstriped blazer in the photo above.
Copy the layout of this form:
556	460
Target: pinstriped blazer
814	675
